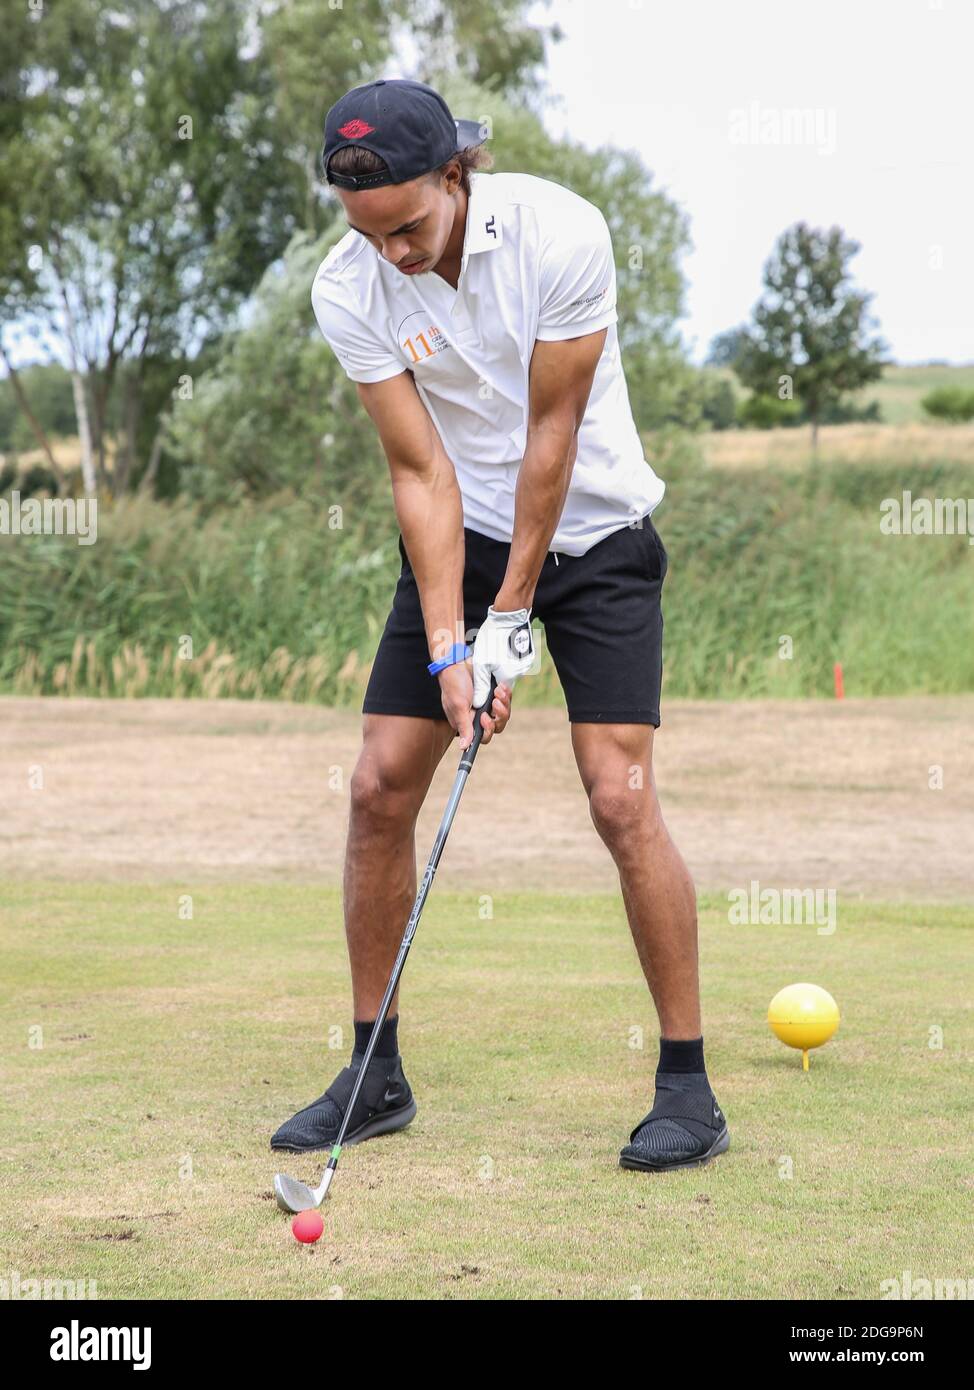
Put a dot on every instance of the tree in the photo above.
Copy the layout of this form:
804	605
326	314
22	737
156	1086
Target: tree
811	331
149	199
49	391
492	46
157	157
725	347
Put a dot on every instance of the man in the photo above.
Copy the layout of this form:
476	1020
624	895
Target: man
476	313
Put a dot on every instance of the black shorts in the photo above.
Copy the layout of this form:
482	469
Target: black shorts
602	620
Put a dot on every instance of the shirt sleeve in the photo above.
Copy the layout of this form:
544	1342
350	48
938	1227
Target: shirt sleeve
359	349
577	276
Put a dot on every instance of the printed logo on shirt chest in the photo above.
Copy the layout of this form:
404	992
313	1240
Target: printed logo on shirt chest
420	338
423	341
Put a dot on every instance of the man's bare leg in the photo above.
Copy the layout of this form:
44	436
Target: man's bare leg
685	1125
389	785
615	762
392	776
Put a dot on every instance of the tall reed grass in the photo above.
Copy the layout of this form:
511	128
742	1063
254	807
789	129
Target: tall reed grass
774	576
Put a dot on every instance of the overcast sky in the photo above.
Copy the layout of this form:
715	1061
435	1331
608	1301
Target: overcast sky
701	89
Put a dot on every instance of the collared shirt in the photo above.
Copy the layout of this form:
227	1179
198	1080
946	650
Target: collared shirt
537	266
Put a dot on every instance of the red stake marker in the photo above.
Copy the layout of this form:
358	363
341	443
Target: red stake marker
839	687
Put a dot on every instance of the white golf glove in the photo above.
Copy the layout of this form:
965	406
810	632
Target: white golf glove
504	646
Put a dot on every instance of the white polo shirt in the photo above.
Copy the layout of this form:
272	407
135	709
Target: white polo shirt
537	265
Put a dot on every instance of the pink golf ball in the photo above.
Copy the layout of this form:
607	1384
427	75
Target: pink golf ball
307	1227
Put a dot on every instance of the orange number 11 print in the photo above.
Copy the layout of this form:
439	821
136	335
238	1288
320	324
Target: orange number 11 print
420	338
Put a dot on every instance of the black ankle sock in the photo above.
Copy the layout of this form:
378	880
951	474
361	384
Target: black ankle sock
388	1044
681	1055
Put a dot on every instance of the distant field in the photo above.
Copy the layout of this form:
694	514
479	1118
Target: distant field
904	435
67	453
899	391
917	444
902	388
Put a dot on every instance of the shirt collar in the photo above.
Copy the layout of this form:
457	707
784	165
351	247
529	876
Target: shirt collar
485	223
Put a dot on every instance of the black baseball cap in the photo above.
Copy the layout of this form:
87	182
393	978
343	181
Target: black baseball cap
407	124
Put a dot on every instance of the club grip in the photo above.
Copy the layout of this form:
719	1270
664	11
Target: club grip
470	753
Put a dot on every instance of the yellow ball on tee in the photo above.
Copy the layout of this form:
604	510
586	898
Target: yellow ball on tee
803	1016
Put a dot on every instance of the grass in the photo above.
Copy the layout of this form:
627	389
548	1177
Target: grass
279	606
135	1139
901	389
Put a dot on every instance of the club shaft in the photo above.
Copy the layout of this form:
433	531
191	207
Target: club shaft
466	763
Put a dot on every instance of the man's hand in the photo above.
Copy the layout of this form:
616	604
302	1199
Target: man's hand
456	690
504	648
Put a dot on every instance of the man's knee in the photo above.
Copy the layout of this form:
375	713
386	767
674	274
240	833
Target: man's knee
622	813
381	796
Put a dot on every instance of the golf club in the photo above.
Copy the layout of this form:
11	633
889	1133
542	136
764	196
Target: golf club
294	1196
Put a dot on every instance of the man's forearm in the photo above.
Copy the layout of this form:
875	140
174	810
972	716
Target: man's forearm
539	499
430	515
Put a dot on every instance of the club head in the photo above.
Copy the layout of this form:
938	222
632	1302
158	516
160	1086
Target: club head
294	1196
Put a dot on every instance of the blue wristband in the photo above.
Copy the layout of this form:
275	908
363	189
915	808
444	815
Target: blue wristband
459	652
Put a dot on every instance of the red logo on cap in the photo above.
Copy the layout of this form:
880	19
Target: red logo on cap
354	130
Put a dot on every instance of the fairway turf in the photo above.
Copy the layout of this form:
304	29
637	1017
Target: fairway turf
135	1139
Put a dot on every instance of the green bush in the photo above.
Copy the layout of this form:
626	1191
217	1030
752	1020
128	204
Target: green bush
768	413
719	403
846	412
949	403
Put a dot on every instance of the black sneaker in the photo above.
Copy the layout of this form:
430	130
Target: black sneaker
385	1104
684	1128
